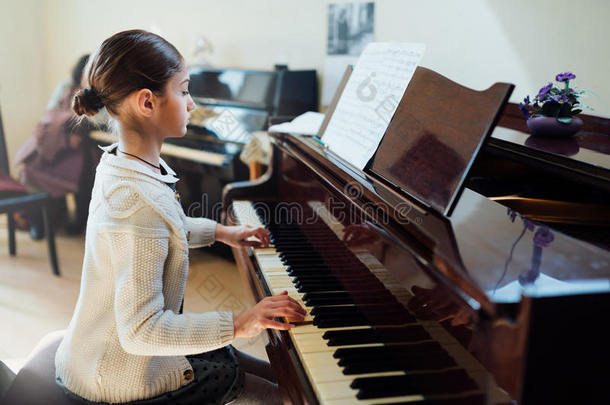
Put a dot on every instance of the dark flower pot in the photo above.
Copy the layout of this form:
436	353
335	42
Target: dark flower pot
551	128
559	146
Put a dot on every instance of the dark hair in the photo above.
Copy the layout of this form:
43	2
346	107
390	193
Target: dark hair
77	70
126	62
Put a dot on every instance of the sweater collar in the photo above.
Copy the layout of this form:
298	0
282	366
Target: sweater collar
124	163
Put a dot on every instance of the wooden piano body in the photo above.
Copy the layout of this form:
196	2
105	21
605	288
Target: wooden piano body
421	290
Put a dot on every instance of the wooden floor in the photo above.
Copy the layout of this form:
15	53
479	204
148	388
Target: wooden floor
34	302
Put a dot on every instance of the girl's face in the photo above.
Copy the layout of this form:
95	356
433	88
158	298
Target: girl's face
176	107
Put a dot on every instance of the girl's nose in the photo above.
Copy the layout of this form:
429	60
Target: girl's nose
191	104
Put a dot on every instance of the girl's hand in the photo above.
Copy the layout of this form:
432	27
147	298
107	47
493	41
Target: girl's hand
236	235
254	320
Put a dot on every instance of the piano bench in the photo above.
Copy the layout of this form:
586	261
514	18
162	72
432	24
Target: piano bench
35	382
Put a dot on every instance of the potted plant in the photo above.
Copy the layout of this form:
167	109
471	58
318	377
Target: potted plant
553	111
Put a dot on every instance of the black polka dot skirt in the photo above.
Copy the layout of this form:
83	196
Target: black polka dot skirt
217	380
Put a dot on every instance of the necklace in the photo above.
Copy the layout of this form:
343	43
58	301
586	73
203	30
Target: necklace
139	158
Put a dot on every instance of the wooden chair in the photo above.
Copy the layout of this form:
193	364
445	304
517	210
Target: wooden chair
14	197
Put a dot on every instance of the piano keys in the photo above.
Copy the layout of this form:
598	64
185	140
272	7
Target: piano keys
348	359
417	295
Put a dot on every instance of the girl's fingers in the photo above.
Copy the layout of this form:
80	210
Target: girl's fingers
251	231
282	299
285	312
269	324
261	234
294	306
248	243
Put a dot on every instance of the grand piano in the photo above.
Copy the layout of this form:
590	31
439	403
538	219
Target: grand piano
464	265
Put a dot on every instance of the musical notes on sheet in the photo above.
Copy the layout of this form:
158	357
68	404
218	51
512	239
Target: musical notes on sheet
370	99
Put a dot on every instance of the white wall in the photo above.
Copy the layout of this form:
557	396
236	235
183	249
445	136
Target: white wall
22	81
473	42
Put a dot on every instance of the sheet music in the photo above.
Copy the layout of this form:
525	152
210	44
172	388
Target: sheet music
306	124
370	99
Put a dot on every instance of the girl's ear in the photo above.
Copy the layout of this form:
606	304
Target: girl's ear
145	102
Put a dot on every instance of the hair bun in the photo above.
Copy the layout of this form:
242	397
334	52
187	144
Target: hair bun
87	102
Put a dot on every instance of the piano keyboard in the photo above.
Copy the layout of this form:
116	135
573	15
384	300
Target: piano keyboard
348	360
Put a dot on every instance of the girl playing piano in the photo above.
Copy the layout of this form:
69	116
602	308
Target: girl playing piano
128	341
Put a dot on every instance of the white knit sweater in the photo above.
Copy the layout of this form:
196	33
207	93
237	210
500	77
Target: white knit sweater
126	340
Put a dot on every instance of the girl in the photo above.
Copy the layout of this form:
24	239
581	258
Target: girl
128	341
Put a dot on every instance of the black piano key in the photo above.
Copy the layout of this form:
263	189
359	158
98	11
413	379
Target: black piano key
331	311
383	387
351	337
357	277
302	262
444	382
361	309
361	297
301	252
349	314
413	349
379	366
299	266
322	286
363	289
334	322
317	295
323	269
311	282
319	299
305	277
311	272
395	362
447	382
412	333
339	322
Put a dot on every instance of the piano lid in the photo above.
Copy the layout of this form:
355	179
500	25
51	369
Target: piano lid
435	135
507	255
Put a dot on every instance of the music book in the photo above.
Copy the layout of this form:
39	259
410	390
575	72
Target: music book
370	98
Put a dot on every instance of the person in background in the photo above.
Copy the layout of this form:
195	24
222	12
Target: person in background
128	340
56	158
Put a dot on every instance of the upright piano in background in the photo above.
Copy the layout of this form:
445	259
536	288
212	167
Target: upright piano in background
421	286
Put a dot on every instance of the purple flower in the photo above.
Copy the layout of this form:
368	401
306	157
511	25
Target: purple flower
543	237
543	91
560	98
564	77
525	113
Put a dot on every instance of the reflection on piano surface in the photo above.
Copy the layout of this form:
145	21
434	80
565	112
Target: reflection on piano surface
415	295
